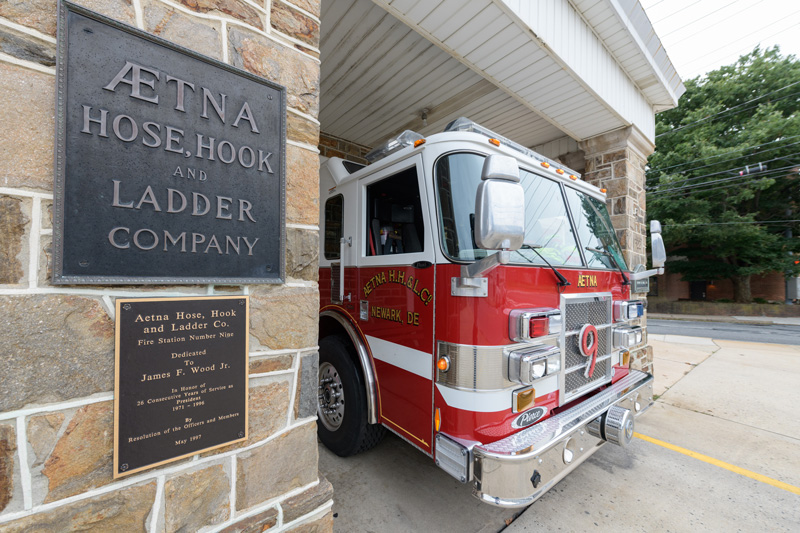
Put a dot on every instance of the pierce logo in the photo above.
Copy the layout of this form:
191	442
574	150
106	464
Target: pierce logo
529	417
588	346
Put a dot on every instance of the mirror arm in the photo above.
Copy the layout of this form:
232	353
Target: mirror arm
647	273
478	268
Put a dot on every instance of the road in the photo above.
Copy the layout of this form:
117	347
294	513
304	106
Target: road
773	334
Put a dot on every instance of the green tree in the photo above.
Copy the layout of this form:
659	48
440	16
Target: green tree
719	215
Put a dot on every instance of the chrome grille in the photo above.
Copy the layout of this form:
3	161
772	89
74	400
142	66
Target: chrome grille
595	309
576	380
572	354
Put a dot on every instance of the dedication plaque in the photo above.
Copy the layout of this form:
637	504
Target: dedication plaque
169	164
181	378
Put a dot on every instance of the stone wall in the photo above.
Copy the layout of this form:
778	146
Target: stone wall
57	368
616	161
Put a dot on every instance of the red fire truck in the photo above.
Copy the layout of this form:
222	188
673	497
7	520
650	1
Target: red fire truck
475	301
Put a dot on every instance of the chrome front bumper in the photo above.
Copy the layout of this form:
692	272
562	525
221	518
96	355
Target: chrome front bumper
517	470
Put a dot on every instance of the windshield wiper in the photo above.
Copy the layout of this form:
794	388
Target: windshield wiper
610	231
606	253
562	281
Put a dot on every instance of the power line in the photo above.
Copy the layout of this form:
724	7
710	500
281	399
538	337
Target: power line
712	190
771	174
676	12
745	155
730	109
699	19
682	184
722	154
740	51
734	223
750	6
705	54
687	180
675	184
654	5
767	174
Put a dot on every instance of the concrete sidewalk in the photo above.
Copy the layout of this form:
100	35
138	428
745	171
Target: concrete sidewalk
725	413
764	320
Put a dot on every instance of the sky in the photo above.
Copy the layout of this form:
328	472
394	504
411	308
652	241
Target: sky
703	35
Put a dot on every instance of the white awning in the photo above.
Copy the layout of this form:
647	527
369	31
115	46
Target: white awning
535	72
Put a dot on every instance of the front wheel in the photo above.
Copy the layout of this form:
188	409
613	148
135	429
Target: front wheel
342	405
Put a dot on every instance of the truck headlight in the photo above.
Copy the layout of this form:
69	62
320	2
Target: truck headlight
538	368
530	364
627	336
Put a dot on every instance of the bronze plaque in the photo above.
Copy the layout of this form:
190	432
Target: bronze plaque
169	164
181	382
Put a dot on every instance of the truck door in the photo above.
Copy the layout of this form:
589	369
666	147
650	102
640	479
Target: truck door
396	276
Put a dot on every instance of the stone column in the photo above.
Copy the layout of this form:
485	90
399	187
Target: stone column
57	363
616	162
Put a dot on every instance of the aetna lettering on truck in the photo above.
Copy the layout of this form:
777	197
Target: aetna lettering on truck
476	302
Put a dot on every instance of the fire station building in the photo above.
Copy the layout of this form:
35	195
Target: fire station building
578	81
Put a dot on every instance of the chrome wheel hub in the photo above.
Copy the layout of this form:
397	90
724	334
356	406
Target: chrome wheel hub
330	407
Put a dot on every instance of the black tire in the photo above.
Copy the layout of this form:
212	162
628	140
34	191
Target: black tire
343	429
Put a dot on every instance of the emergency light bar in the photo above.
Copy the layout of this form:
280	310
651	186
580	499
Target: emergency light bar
465	124
407	138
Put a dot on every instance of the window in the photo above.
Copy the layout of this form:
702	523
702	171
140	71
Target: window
458	176
547	223
394	215
334	213
595	230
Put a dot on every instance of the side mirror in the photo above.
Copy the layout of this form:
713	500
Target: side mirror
500	205
655	226
657	243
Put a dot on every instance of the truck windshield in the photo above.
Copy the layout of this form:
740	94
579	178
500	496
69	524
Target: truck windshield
595	230
547	222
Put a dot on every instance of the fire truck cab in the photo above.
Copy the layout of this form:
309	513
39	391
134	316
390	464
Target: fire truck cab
475	301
